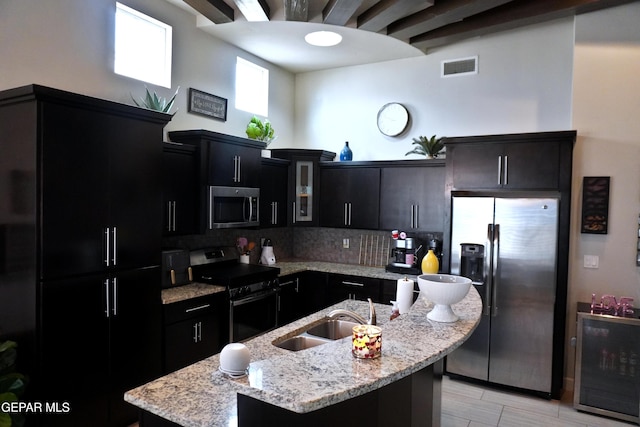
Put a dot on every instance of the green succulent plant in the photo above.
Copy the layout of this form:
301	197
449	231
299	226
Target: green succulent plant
12	384
154	102
429	147
260	131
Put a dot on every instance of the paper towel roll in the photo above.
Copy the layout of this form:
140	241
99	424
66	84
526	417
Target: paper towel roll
404	295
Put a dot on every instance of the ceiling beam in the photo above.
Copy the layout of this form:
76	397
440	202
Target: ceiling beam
296	10
338	12
507	17
254	10
383	13
439	15
216	11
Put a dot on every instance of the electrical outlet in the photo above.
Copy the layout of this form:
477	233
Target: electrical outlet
345	243
591	261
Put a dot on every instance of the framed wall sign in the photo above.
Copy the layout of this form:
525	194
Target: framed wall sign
595	204
207	105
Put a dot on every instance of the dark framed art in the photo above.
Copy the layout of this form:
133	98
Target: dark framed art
595	204
207	105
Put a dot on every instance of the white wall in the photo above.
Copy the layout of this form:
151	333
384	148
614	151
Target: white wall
606	112
68	44
523	85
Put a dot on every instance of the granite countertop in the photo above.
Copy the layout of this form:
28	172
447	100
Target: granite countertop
303	381
194	290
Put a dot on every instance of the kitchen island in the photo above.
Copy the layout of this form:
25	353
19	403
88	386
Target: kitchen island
325	379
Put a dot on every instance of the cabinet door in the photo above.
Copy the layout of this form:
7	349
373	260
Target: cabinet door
190	341
349	197
135	337
289	300
75	188
273	195
475	165
412	198
179	190
234	165
135	186
532	165
74	357
343	287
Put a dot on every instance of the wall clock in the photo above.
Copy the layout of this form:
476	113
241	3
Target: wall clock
393	119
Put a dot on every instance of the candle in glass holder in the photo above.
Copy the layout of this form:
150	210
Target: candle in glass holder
367	341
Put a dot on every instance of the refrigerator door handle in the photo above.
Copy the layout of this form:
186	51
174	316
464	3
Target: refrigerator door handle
488	278
495	271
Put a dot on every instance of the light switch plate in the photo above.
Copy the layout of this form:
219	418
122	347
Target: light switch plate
591	261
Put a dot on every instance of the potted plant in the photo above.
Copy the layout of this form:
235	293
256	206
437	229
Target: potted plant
156	103
12	384
260	131
429	147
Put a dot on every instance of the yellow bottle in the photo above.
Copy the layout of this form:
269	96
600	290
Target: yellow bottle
430	264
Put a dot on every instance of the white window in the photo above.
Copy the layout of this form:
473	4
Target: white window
142	47
252	88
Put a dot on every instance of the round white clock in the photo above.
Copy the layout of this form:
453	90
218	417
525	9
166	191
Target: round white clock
393	119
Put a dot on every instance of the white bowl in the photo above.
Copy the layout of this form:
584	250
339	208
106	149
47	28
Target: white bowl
234	358
443	290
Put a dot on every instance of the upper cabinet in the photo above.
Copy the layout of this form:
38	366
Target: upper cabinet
225	160
349	195
412	196
179	189
273	193
535	161
304	183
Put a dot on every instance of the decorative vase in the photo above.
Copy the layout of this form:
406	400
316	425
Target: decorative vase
346	154
430	264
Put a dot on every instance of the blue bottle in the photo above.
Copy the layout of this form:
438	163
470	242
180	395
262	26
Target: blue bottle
346	154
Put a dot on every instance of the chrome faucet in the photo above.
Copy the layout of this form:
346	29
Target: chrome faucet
346	313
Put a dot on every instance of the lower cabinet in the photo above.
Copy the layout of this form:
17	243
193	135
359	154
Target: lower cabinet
101	336
300	295
341	287
194	329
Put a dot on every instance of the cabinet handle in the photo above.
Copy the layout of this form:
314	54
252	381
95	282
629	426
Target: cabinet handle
169	215
173	223
416	223
506	170
200	307
353	284
239	167
107	311
195	332
107	246
115	296
345	214
293	218
199	331
235	168
115	245
275	217
349	213
499	170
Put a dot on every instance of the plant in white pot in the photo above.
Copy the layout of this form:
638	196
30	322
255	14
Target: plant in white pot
260	131
429	147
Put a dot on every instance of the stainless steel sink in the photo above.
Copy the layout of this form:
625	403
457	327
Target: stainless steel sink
300	342
333	329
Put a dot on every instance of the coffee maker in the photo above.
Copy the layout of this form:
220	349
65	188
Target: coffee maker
403	257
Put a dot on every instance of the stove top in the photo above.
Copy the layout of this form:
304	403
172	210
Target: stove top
221	266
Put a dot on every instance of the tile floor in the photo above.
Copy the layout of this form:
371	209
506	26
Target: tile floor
470	405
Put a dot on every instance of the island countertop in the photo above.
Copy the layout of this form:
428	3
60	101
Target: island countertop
311	379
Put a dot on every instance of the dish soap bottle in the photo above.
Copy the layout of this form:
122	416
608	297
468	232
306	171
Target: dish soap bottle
346	154
430	264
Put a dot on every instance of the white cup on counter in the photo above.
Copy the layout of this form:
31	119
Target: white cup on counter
235	359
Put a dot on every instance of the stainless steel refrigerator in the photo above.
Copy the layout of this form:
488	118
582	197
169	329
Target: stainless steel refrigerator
508	247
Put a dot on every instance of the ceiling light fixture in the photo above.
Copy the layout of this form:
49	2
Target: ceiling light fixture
323	38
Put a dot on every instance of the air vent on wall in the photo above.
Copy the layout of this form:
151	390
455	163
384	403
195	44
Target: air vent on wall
459	67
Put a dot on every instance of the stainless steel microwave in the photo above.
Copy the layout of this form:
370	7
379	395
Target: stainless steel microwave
233	207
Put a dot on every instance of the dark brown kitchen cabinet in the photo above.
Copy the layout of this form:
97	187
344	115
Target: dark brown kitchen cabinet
304	184
349	196
273	193
341	287
83	303
510	162
225	160
194	329
179	189
412	196
100	338
301	294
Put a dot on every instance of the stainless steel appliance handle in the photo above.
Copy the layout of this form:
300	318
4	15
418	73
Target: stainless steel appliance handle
253	298
496	257
200	307
488	278
244	207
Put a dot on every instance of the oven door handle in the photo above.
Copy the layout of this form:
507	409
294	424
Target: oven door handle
250	298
